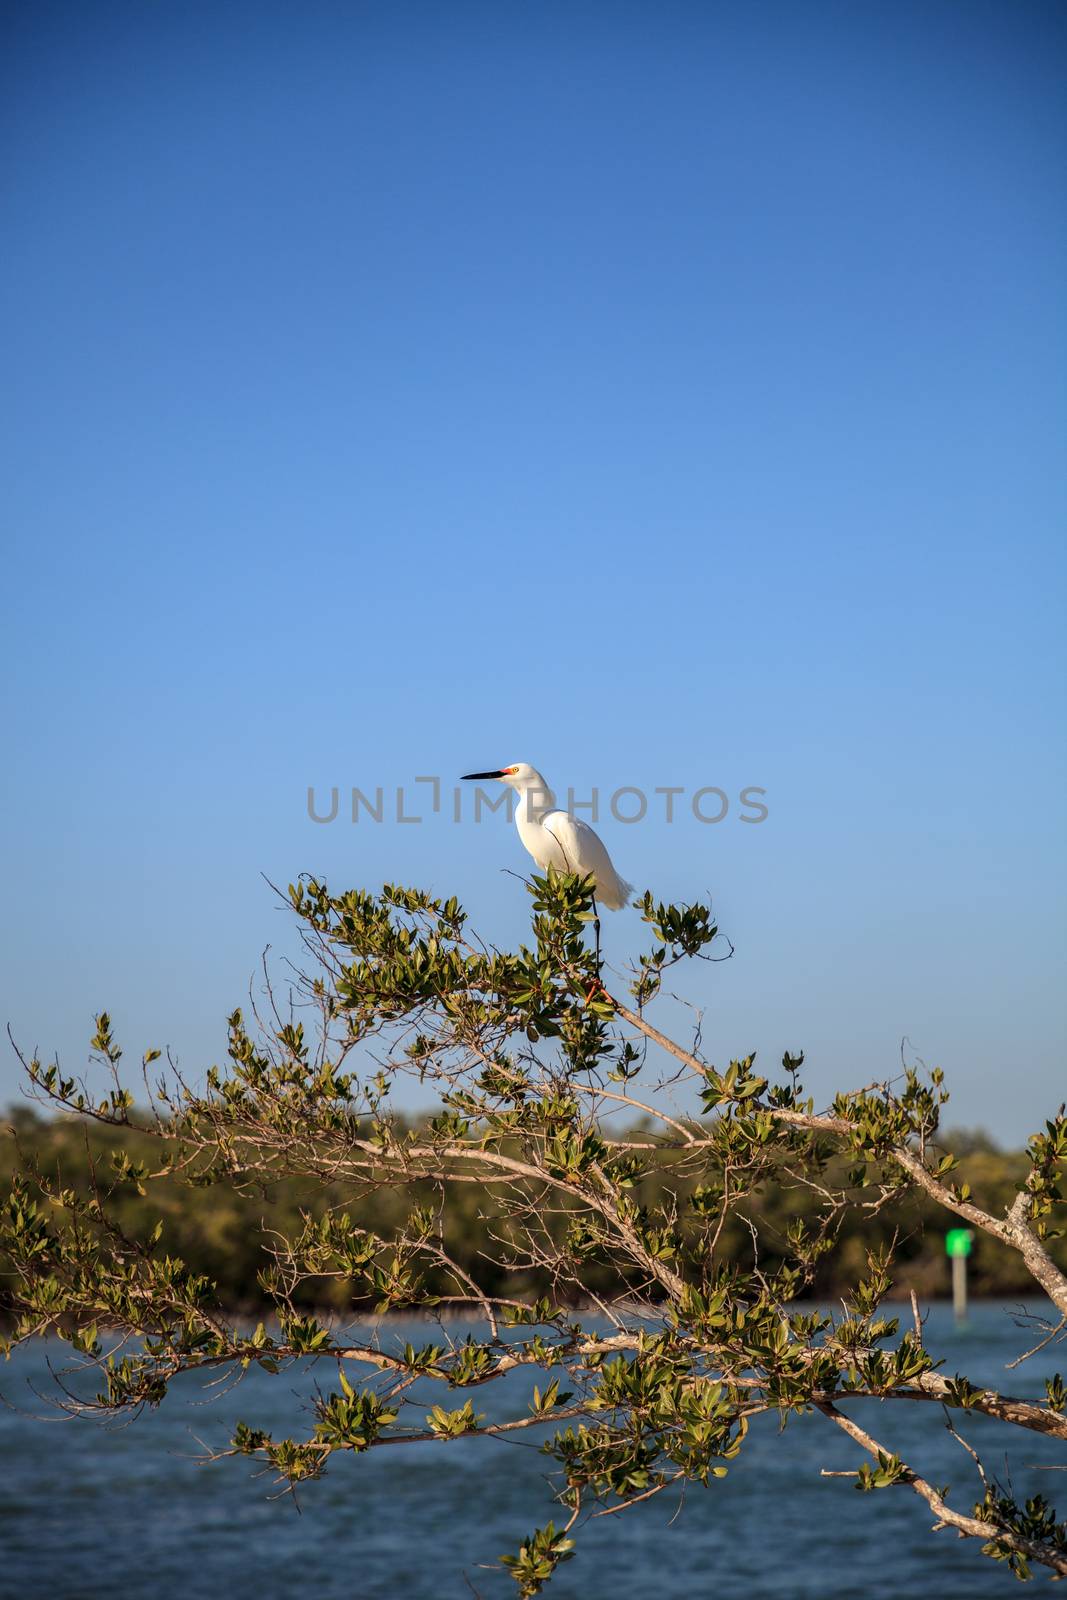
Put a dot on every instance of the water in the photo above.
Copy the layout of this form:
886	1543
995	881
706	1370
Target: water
88	1512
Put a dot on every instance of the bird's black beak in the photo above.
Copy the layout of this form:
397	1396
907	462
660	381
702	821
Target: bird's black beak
468	776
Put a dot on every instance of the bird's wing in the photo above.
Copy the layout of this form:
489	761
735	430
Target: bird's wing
584	851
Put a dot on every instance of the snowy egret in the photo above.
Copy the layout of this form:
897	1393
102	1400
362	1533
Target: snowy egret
555	838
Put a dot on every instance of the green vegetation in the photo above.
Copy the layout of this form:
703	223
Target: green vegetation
654	1272
222	1230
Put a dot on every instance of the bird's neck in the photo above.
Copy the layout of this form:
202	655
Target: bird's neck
535	798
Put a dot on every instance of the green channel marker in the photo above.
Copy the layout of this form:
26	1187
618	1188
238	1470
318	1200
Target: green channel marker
958	1247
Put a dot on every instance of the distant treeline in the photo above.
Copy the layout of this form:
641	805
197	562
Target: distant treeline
222	1233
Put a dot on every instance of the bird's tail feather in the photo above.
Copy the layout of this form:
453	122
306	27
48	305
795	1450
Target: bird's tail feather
617	895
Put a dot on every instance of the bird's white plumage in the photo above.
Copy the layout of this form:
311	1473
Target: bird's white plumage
569	844
556	839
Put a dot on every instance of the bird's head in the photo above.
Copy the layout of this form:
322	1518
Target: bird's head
519	776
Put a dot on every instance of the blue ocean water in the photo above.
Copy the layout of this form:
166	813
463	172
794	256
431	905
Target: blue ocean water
90	1511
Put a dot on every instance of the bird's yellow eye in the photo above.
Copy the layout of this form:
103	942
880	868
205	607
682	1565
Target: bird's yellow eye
510	770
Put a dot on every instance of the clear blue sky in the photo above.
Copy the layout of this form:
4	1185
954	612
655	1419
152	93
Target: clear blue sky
658	394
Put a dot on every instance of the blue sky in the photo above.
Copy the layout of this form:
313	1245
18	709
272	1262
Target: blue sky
660	395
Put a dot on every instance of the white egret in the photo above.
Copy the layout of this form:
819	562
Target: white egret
555	838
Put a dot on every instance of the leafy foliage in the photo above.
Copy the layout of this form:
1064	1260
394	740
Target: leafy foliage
522	1199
